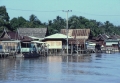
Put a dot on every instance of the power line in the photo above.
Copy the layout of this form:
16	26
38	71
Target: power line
95	14
32	10
59	11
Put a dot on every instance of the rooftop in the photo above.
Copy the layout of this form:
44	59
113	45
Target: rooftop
57	36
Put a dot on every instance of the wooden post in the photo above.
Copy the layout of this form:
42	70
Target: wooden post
61	51
55	51
80	48
20	48
77	47
44	49
15	50
47	49
71	48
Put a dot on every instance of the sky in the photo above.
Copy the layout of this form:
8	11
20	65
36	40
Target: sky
99	10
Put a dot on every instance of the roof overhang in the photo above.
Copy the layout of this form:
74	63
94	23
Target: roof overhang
38	42
16	41
35	37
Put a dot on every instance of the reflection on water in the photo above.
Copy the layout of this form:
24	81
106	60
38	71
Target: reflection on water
84	69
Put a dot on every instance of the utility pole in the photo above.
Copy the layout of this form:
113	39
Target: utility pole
67	26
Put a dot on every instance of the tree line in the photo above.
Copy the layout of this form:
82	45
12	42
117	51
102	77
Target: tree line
55	25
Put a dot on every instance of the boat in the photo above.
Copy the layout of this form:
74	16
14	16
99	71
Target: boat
32	49
28	50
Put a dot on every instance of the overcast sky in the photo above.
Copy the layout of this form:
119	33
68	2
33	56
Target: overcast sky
100	10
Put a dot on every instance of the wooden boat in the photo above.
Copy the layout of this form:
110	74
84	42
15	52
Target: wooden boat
32	49
28	50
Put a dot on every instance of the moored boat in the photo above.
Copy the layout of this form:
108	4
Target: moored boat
28	50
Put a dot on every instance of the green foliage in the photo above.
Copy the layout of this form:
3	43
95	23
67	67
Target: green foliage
4	18
55	25
34	21
20	22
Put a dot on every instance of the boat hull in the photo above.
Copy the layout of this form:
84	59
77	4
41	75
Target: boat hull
31	55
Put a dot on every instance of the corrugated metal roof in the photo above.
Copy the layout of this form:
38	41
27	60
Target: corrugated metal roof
57	36
79	35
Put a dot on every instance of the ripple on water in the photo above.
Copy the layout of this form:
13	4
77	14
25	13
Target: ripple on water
92	69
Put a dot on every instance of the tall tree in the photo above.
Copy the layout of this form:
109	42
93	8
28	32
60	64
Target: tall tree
14	24
4	18
34	21
17	23
56	25
22	21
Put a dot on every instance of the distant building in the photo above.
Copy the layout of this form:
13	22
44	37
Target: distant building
34	33
104	41
56	42
79	38
7	39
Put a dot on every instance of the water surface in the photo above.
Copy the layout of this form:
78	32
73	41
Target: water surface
97	68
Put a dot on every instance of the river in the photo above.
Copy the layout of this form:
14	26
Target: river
97	68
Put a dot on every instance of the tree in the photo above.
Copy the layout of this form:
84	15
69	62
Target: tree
74	22
34	21
55	25
14	24
17	23
4	18
22	21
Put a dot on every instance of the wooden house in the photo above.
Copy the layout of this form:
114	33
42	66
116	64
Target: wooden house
9	36
13	35
104	42
9	40
79	38
56	43
116	39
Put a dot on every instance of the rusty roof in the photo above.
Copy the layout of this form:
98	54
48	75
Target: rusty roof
79	35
